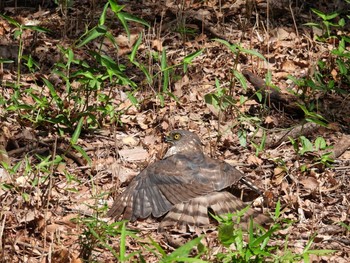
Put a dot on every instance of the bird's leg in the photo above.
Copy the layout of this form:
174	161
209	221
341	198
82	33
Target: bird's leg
250	184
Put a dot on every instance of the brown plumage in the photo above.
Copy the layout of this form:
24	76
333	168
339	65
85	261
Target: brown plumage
185	183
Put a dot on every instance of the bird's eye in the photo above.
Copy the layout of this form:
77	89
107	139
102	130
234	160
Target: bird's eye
177	136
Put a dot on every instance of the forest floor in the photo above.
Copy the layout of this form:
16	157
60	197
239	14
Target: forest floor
52	198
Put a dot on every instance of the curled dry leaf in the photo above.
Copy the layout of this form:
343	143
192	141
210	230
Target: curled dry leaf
310	183
157	45
252	159
270	120
279	174
282	34
288	66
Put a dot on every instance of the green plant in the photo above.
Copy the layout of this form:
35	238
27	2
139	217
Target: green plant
161	76
222	99
18	34
326	25
15	101
237	76
181	254
74	141
185	30
102	31
253	245
244	120
30	174
12	171
96	233
346	226
231	235
88	86
303	146
91	98
331	74
261	146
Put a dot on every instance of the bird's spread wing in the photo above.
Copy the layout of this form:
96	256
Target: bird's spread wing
161	185
218	173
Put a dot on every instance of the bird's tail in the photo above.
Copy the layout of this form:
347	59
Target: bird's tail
188	216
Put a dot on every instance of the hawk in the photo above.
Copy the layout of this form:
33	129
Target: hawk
183	185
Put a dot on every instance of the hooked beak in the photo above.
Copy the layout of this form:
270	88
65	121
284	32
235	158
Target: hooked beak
168	139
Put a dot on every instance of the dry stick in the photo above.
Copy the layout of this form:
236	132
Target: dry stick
341	146
305	129
27	245
4	137
342	240
286	102
342	168
2	230
294	22
49	190
34	149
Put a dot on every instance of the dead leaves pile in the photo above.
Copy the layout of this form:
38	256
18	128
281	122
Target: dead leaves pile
38	205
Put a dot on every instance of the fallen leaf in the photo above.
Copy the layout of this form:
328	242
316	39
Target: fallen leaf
130	141
252	159
157	45
135	154
309	182
279	174
288	66
122	173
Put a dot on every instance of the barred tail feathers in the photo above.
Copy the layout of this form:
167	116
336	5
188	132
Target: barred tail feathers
186	216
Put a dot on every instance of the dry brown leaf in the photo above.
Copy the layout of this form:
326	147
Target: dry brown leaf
149	140
76	260
29	216
334	74
22	181
157	45
281	75
253	159
135	154
61	167
270	120
282	34
143	121
179	84
125	43
52	228
279	174
309	182
130	141
122	173
288	66
125	105
4	178
62	256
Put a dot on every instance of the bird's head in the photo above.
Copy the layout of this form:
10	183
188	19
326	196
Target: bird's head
183	142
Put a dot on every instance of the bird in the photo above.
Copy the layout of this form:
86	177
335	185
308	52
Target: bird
184	187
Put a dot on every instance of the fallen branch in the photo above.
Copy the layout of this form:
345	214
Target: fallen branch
274	98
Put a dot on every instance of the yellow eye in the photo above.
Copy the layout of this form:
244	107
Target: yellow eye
177	136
